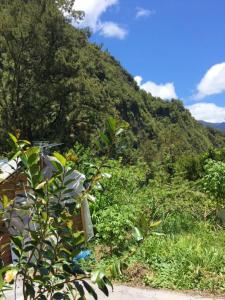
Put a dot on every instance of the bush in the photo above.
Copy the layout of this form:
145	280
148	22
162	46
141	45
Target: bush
214	180
47	244
115	226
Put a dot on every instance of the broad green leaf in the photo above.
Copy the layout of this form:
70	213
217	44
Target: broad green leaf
33	159
137	234
13	138
44	216
5	201
111	124
60	158
17	240
79	238
90	289
40	185
79	288
23	143
17	252
121	130
155	224
15	155
103	287
97	275
58	296
115	269
58	166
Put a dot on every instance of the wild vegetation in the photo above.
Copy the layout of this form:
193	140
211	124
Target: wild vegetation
40	221
49	69
181	222
158	211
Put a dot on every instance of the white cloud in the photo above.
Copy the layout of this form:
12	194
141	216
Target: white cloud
213	82
111	29
138	79
208	112
94	9
142	12
164	91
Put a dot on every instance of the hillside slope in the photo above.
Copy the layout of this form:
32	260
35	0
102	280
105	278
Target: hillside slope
64	87
157	126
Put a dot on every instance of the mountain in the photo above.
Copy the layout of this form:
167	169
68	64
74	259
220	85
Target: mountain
219	126
56	85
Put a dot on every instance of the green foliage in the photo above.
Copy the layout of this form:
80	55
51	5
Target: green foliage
185	261
191	167
46	243
114	226
38	63
49	70
51	75
182	246
214	179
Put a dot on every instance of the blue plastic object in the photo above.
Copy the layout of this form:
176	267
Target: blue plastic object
85	254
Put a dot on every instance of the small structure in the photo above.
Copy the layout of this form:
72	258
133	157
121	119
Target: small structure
13	183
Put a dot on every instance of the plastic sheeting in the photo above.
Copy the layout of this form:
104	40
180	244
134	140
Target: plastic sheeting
86	220
76	187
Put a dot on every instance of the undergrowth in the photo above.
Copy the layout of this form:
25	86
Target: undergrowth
183	243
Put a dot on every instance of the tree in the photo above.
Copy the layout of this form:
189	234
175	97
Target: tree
38	64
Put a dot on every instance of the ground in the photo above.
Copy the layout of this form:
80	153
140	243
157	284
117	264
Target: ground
127	293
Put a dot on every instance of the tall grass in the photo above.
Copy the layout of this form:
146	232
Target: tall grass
185	251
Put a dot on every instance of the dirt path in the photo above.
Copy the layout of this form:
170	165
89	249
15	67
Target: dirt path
128	293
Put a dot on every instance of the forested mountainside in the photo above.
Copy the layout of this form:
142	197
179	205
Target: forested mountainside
219	126
55	85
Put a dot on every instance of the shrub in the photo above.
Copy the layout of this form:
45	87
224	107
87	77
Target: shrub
47	244
115	226
214	180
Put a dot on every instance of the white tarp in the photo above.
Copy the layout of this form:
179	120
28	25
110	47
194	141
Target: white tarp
75	184
7	168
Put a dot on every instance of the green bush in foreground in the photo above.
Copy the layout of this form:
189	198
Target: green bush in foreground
214	181
47	243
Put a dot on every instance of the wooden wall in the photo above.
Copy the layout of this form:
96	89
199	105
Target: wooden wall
10	187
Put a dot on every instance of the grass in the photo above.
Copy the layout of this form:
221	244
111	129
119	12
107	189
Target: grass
186	251
193	260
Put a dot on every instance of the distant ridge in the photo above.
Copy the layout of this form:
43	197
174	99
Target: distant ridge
219	126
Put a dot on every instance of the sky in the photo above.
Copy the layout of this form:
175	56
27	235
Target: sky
172	48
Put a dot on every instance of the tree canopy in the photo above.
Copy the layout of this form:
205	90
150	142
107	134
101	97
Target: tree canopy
55	85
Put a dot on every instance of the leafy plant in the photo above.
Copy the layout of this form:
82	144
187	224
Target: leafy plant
214	180
46	243
115	227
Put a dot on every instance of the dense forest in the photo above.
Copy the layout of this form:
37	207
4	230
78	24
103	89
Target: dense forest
55	85
155	176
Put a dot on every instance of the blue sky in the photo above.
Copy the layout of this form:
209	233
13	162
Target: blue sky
175	47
